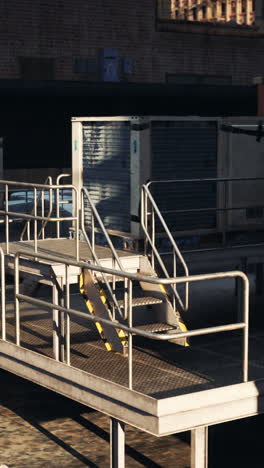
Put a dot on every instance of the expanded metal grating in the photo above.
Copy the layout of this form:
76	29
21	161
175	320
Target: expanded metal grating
142	301
160	369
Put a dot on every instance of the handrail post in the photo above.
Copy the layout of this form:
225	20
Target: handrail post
68	323
130	336
246	329
42	212
55	321
3	298
153	236
35	222
58	212
17	303
155	252
6	219
79	211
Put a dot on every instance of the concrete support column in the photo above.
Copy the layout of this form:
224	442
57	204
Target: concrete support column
117	443
199	447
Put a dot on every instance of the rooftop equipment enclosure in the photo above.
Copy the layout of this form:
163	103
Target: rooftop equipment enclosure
113	156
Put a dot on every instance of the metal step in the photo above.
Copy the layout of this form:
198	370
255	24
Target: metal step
141	301
157	327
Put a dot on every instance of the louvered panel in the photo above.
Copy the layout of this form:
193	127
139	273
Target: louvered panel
185	150
106	171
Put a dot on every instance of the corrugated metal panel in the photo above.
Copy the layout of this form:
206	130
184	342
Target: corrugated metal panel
185	150
106	171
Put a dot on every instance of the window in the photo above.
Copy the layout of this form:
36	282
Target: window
233	12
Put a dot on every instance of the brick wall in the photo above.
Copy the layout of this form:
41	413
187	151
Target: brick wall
67	29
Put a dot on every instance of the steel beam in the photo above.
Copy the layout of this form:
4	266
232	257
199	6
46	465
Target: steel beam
199	447
117	443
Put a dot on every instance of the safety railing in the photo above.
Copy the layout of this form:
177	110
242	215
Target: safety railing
65	308
40	198
227	215
149	215
89	236
3	295
60	200
36	218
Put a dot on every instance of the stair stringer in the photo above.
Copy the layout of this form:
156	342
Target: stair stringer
113	338
164	311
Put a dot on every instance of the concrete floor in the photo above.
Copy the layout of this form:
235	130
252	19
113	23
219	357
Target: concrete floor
42	429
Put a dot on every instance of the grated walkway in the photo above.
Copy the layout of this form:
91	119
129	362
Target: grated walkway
159	369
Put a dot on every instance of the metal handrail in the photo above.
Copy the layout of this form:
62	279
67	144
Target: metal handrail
91	244
60	176
145	196
40	196
208	179
102	227
44	219
3	296
129	328
223	210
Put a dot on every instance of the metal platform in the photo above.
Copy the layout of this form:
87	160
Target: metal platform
62	341
160	370
64	248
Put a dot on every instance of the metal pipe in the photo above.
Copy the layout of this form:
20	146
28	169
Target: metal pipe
3	296
60	176
96	259
17	305
32	185
6	219
101	224
126	298
77	208
27	225
38	218
152	236
209	179
55	322
130	336
58	212
68	331
246	329
134	330
130	329
48	217
42	211
138	276
174	245
167	230
35	222
93	233
200	210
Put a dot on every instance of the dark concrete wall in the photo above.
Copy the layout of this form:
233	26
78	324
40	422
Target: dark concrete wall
65	30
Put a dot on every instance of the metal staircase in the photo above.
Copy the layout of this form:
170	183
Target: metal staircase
148	306
132	304
153	307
